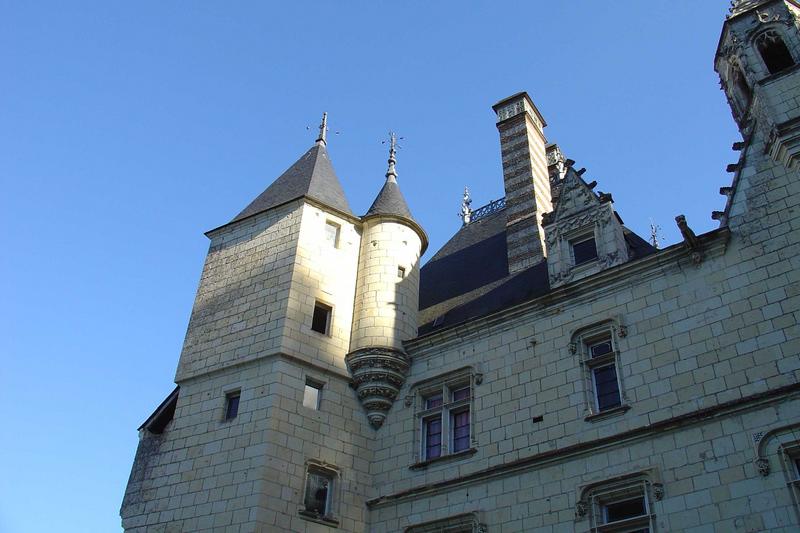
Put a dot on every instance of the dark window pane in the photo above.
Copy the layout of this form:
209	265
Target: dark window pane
601	348
317	488
319	322
460	424
232	407
461	394
433	401
433	438
625	509
607	388
584	251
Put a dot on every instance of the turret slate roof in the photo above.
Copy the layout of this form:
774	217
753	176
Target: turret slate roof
311	176
390	201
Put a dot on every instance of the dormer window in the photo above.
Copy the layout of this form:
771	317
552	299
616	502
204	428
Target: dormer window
584	249
773	51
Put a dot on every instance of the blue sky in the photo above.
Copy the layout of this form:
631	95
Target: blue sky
127	129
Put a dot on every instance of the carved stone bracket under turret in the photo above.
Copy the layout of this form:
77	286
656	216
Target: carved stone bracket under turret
378	374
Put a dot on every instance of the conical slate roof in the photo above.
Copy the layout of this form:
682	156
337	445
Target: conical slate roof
311	176
390	201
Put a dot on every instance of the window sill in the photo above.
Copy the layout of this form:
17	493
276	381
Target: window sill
314	517
614	411
453	456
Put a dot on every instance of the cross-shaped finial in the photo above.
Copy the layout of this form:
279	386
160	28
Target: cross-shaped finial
323	129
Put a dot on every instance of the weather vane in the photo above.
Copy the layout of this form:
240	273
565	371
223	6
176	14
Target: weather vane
323	130
391	173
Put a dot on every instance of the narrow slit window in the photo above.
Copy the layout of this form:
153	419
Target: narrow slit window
321	319
232	405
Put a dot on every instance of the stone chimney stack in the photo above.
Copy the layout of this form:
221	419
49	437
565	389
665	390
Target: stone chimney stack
526	179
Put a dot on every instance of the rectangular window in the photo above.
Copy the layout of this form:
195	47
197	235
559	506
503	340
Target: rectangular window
321	320
232	405
584	250
445	419
332	231
312	395
318	499
623	508
401	272
601	365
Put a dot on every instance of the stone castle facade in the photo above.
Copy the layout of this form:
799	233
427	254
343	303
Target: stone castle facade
546	370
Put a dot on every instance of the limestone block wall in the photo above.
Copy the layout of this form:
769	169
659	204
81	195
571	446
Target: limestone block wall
710	484
386	305
700	349
247	475
326	274
240	309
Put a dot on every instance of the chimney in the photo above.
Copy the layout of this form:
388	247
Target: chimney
526	179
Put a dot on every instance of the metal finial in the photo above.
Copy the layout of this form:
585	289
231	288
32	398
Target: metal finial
654	234
466	210
323	129
391	173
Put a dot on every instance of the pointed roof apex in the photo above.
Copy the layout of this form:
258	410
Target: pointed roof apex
323	131
390	200
311	176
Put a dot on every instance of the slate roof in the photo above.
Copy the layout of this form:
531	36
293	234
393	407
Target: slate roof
311	176
476	256
390	201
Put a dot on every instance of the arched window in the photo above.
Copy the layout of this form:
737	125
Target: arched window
773	51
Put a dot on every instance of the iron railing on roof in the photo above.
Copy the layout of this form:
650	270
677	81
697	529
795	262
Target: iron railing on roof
486	210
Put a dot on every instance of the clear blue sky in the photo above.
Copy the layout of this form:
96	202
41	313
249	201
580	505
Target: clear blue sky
127	129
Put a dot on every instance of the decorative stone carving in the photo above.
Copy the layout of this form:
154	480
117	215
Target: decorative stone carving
573	348
763	466
478	378
622	331
581	508
690	239
378	374
658	491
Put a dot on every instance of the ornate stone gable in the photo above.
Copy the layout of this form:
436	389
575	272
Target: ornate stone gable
582	220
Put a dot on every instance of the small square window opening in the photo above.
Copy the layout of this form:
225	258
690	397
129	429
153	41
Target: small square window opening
320	321
332	231
312	395
401	272
584	250
232	405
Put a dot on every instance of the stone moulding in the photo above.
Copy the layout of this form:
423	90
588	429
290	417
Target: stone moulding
378	374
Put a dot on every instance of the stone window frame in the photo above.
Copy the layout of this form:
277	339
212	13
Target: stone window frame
331	518
594	498
579	344
578	235
443	383
461	523
758	36
786	442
